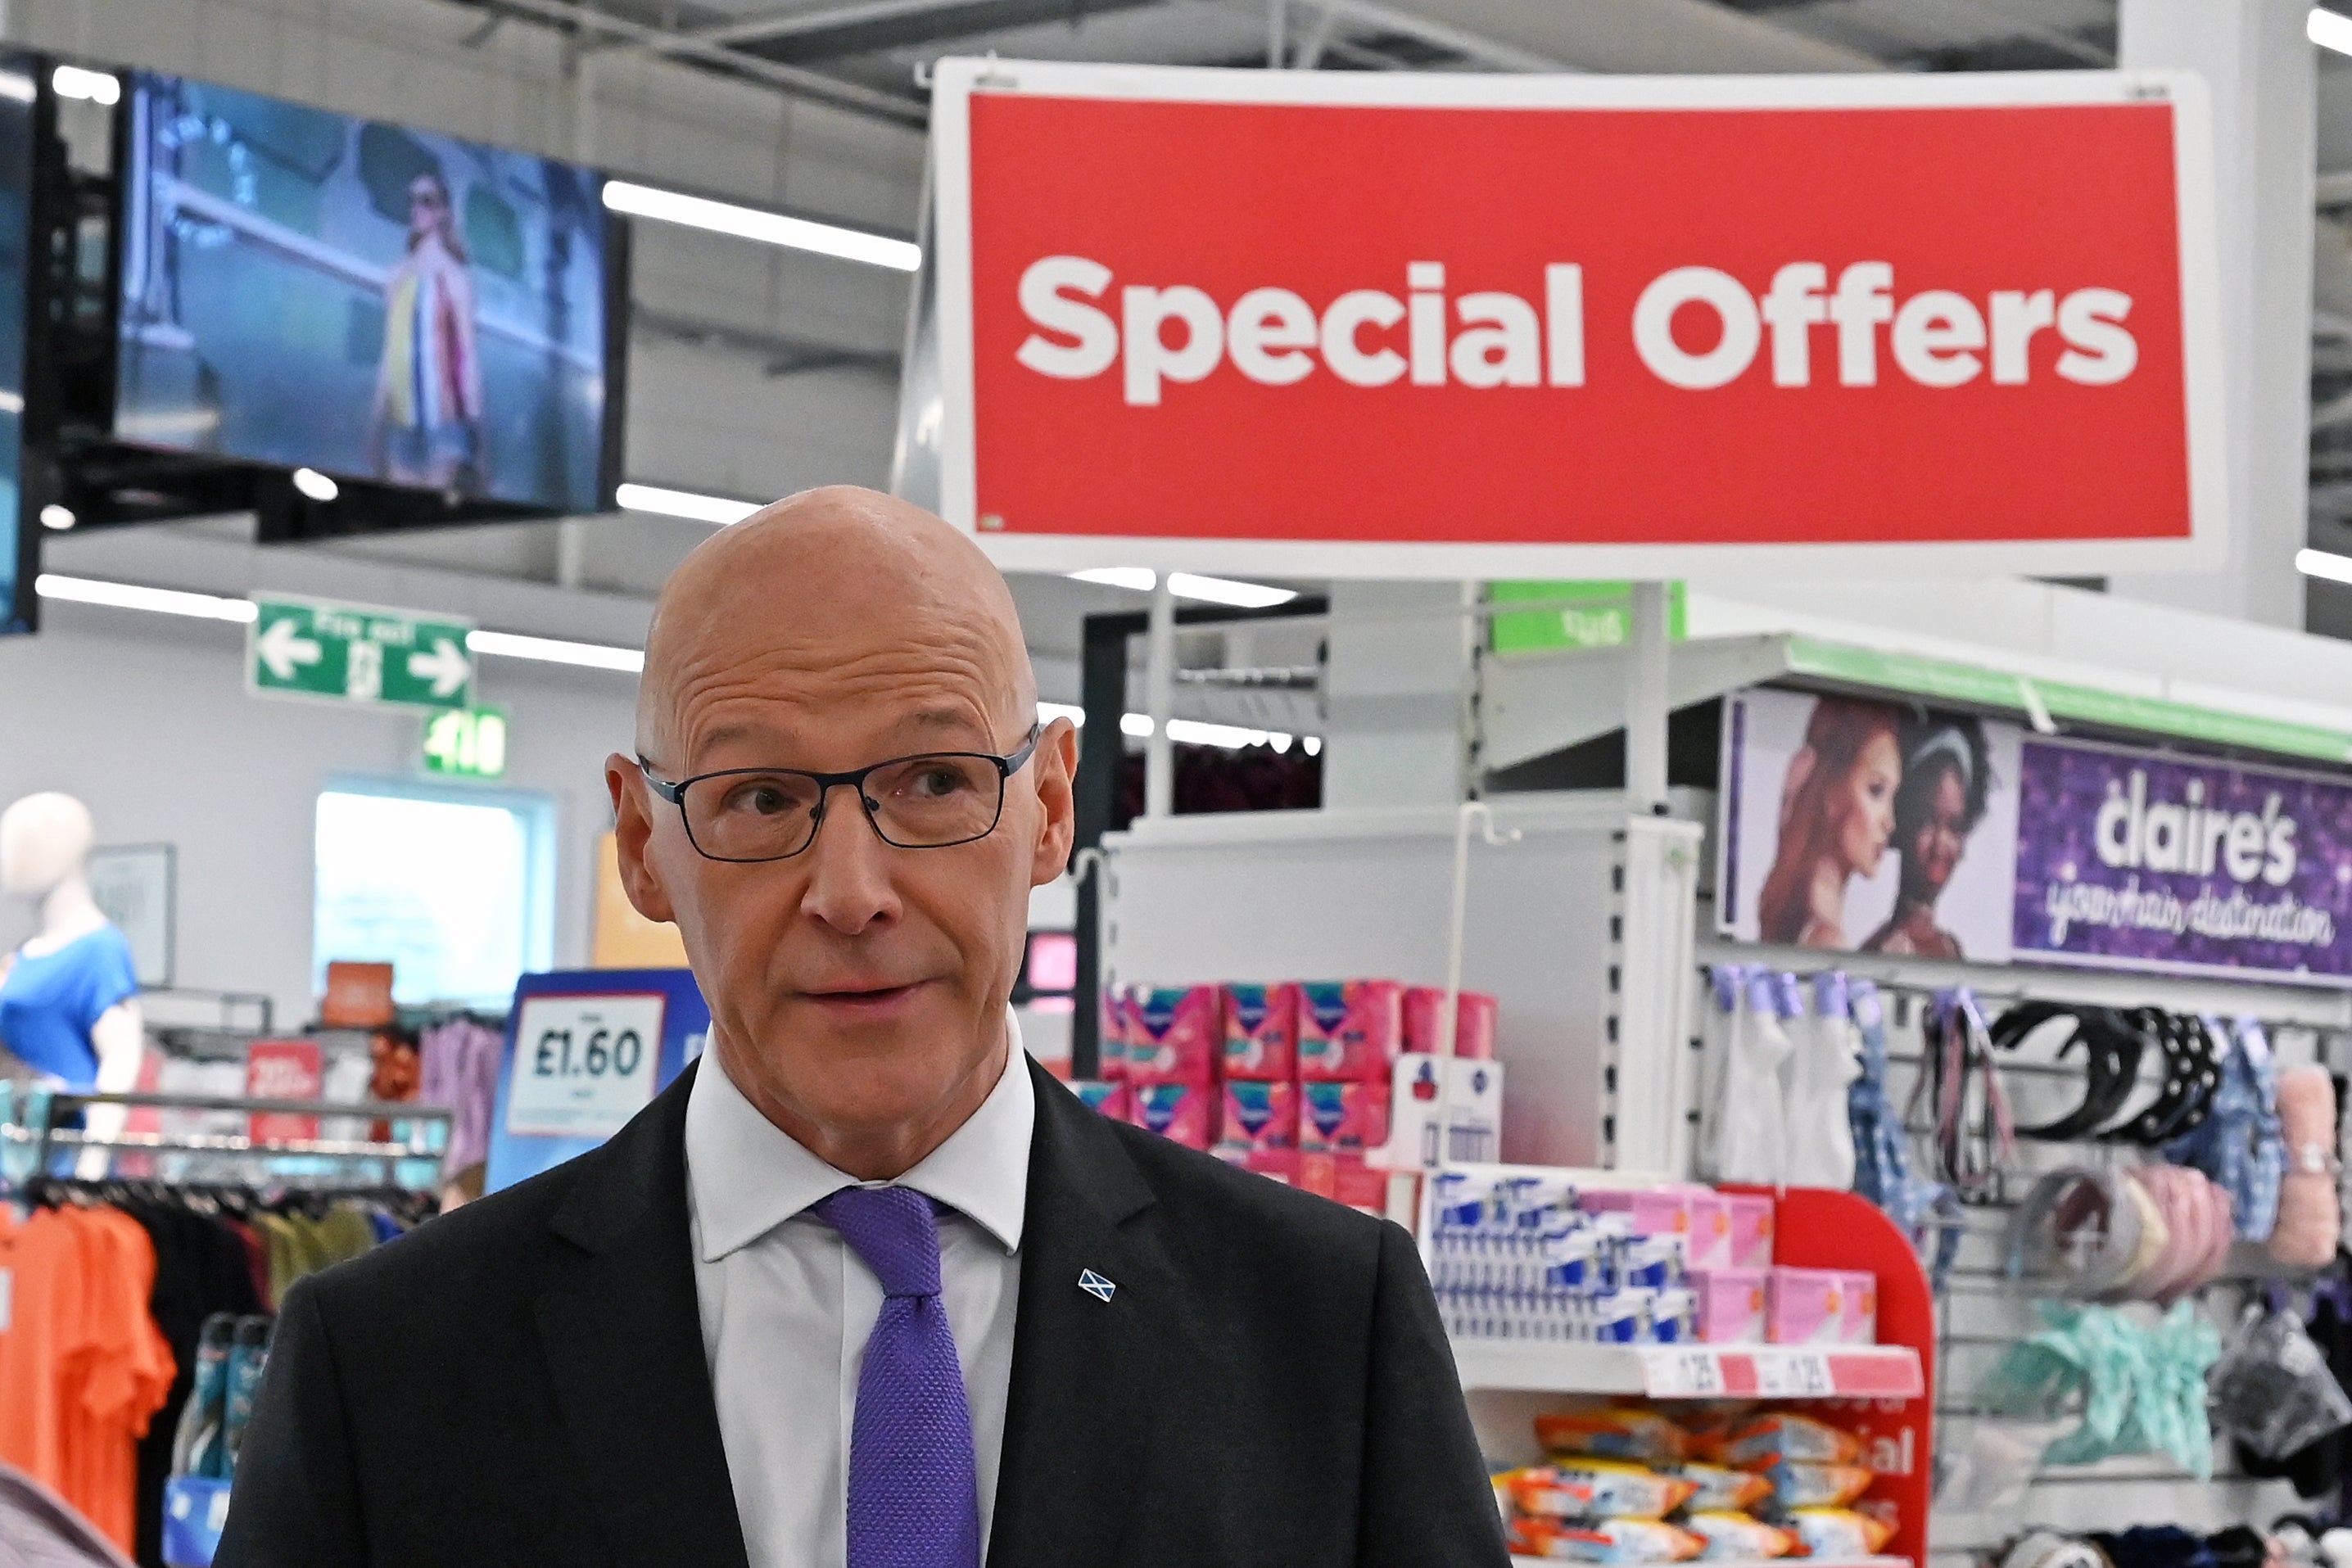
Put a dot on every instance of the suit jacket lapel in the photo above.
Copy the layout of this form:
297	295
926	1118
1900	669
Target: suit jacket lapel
1076	1422
624	1341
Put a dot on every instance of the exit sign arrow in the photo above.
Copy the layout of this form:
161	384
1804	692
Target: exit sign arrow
357	654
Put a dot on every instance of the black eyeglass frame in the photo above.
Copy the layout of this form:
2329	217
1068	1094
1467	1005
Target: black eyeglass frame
1006	767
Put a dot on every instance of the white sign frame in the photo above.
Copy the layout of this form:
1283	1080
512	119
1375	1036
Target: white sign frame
149	875
525	1117
957	80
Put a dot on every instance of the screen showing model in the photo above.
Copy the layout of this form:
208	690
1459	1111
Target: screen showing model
309	290
17	92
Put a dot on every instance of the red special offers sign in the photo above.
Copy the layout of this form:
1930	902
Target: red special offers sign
1455	326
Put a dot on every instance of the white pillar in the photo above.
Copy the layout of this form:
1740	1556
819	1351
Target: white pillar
2258	61
1160	697
1646	699
1396	694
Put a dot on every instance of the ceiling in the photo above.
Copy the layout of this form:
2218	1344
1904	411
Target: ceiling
871	54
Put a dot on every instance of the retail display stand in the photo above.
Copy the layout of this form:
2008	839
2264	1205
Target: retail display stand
1884	1393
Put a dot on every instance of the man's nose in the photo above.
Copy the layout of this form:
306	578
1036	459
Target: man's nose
849	885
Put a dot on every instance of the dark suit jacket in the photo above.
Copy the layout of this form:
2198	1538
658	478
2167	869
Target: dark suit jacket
523	1382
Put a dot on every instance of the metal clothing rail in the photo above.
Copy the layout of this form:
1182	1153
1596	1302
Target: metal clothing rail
426	1137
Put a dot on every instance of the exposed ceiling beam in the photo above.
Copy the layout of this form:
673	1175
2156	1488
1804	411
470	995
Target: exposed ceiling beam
789	23
1482	46
814	85
1653	37
838	35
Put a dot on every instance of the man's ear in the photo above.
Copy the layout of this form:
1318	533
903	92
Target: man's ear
1056	762
633	831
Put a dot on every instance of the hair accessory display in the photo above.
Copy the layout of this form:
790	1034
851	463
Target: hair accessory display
2134	1389
2239	1144
1975	1138
2310	1215
1821	1147
2273	1390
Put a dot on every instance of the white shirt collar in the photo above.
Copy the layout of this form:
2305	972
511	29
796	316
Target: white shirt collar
749	1175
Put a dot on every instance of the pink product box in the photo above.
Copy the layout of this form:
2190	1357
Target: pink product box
1260	1116
1103	1095
1731	1304
1710	1231
1281	1165
1751	1229
1859	1325
1113	1037
1806	1306
1175	1034
1182	1113
1261	1031
1350	1030
1474	1026
1344	1178
1335	1117
1648	1211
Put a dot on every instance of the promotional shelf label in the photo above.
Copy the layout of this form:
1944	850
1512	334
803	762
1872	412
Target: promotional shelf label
1557	327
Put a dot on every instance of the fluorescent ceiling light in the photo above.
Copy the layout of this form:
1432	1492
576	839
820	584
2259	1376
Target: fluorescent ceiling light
315	484
557	651
1048	712
131	596
683	504
1187	585
1141	578
1225	590
768	228
2330	30
92	87
2323	563
58	518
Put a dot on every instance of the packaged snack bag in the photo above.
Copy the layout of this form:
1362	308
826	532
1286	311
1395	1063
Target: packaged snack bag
1840	1532
1542	1492
1626	1492
1721	1490
1641	1436
1796	1484
1764	1442
1731	1535
1625	1541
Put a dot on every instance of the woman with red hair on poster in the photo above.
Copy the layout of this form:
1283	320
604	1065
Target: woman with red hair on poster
1837	817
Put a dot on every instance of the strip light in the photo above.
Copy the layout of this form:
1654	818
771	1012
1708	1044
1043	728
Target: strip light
768	229
90	86
131	596
557	651
702	508
1188	585
629	660
2323	563
2329	30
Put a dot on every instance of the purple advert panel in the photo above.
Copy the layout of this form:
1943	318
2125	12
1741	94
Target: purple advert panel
2129	860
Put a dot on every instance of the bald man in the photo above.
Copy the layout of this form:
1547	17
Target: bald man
864	1288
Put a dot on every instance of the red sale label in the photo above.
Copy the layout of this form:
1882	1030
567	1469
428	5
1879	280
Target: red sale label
1436	326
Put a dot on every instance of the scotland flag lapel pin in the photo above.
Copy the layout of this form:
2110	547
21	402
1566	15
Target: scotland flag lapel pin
1095	1285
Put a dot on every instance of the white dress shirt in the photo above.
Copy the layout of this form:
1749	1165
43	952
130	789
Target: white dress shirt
787	1306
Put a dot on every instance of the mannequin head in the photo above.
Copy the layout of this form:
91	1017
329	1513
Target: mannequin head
45	839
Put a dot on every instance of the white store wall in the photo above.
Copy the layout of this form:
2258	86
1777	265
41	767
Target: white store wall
145	718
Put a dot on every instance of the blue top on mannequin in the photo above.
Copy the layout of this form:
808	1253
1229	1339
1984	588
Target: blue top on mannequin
49	1002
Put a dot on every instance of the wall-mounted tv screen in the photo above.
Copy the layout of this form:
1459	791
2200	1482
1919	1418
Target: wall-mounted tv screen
304	289
18	539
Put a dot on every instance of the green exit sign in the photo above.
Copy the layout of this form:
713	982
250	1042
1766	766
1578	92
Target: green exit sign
467	743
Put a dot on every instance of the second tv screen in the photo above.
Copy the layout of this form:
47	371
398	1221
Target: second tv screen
301	288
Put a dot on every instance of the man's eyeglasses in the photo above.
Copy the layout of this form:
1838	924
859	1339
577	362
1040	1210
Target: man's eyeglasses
925	803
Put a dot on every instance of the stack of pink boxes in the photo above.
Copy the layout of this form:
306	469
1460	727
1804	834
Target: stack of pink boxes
1742	1296
1291	1079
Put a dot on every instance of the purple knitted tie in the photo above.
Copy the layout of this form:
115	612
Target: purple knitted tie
914	1490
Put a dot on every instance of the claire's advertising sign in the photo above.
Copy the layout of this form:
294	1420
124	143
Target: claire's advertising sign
1590	326
1878	827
